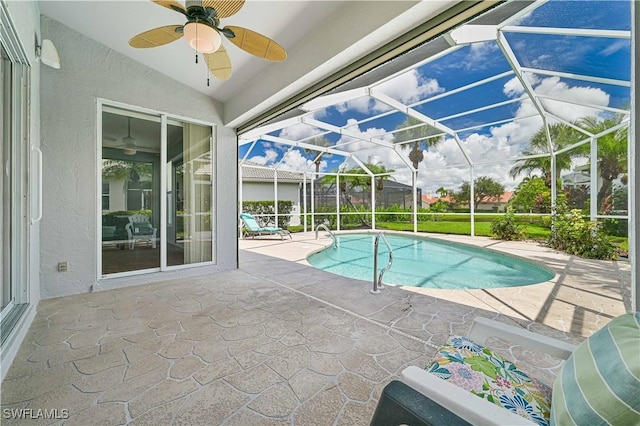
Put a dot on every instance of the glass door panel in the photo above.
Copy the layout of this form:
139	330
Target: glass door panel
131	222
5	182
189	194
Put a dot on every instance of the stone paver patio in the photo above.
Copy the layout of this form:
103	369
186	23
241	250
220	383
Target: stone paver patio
277	342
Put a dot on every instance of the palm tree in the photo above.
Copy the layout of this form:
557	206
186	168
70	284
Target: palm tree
442	192
322	142
419	131
612	151
562	136
358	178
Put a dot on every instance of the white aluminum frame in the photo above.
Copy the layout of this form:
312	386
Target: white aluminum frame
163	118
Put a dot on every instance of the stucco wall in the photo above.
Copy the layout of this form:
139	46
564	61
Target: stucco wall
68	134
262	191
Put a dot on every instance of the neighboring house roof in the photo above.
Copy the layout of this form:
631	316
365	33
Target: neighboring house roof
433	200
397	185
504	198
253	172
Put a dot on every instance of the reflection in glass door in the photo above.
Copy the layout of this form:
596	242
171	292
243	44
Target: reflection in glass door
189	194
130	228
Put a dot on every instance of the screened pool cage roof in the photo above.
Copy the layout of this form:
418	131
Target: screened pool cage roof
482	91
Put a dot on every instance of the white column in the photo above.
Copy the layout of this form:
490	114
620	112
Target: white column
304	202
373	202
338	202
313	203
634	163
414	178
472	196
275	194
554	177
593	208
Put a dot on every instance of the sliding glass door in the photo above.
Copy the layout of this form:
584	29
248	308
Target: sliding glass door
14	188
138	233
189	194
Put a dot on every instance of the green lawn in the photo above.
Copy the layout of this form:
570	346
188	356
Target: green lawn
483	229
454	224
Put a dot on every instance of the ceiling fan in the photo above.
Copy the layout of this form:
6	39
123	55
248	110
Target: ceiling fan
202	31
129	145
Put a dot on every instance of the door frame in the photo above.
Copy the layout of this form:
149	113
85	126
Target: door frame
164	117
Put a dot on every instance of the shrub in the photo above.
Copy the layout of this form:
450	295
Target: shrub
570	232
265	214
505	227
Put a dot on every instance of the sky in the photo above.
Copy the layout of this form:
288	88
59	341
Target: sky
493	136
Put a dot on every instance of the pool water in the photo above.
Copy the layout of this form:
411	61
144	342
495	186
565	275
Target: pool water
428	263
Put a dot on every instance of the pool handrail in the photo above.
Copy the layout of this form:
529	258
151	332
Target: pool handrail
323	226
377	279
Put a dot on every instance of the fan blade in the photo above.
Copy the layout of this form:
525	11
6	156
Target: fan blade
224	8
257	44
156	37
171	4
219	63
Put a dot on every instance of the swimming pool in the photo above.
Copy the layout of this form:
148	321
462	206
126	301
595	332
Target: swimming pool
428	263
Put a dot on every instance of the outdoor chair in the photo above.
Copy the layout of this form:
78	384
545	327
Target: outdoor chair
252	229
598	384
140	229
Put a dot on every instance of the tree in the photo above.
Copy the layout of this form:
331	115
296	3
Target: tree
358	178
562	136
321	142
129	171
485	190
532	195
418	130
442	192
612	152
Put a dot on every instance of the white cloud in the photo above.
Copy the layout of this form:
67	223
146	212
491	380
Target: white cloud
267	159
479	55
410	87
354	141
363	105
299	131
552	86
295	161
513	88
615	47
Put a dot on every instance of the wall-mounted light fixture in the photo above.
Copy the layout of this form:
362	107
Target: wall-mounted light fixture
47	53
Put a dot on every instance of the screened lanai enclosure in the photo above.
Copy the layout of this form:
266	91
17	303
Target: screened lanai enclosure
526	105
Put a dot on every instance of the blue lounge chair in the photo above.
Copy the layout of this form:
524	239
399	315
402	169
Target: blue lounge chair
251	228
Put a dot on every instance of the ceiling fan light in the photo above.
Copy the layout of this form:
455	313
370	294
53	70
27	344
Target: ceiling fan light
202	37
129	151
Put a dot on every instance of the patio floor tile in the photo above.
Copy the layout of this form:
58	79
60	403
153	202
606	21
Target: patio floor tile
278	342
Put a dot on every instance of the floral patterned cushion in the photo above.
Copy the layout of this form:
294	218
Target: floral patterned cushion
476	369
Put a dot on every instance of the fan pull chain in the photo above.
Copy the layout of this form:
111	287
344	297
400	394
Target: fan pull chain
196	39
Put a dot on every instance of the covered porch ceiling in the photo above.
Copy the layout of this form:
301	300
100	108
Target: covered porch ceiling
319	37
